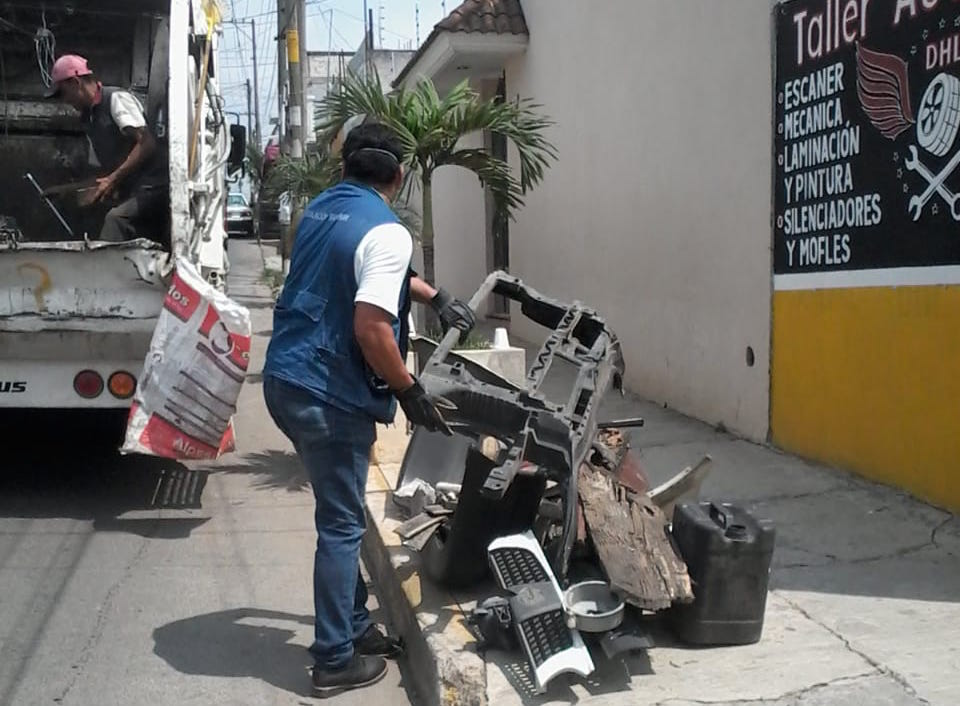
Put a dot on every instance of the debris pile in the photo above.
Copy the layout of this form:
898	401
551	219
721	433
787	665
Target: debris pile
552	501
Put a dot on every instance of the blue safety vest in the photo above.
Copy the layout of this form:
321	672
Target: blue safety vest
313	344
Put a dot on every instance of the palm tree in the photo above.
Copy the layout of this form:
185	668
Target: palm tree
304	178
430	128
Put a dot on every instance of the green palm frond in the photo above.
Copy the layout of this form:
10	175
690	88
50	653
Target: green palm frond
430	127
494	173
354	97
304	178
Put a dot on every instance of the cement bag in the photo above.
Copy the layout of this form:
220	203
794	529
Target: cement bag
187	394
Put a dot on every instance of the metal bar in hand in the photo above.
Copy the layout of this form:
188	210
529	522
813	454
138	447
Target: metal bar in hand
29	177
452	337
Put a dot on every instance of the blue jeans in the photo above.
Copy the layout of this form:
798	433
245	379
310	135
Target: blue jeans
334	446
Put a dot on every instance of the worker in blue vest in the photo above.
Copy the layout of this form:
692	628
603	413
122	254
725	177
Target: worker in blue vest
336	365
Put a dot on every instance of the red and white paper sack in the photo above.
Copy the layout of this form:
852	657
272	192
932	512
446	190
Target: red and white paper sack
193	373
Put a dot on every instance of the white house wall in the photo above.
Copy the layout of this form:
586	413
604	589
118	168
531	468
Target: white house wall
658	211
459	219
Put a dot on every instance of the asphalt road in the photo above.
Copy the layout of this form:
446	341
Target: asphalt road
131	580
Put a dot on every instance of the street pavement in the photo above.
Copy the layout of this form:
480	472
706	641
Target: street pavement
122	584
864	602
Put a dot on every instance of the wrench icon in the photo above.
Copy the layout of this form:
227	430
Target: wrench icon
935	184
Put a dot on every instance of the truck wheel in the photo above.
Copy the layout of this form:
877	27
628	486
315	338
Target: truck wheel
939	115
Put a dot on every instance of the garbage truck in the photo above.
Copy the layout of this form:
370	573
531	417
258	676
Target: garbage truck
76	313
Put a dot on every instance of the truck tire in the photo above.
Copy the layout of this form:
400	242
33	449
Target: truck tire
938	119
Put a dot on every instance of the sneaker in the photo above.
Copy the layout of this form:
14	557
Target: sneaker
361	670
373	642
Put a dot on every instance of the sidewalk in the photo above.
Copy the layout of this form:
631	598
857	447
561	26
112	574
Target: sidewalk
864	605
248	602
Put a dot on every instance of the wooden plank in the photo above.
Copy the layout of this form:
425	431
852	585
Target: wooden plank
630	535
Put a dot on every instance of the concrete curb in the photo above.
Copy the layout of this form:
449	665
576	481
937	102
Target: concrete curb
444	666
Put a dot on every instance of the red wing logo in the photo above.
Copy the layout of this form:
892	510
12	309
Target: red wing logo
884	91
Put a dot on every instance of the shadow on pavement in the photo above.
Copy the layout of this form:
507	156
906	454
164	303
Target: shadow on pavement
275	470
612	676
66	465
243	642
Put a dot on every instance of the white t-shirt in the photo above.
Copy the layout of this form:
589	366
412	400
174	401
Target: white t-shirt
381	264
126	110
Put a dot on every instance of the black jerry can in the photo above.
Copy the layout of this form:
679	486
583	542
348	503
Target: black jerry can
727	552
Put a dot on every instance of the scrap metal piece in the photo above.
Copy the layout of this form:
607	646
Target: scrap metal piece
419	541
492	620
592	606
417	524
9	231
537	607
683	486
70	188
629	637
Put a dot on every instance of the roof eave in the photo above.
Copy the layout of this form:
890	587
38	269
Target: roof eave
443	47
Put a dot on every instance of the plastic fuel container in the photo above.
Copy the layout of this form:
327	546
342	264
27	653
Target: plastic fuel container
728	553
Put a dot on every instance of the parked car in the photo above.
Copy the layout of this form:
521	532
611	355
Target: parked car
240	219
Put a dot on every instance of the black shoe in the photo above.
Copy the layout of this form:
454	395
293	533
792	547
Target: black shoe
360	671
375	643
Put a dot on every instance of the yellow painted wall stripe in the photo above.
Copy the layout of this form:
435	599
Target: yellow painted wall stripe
869	379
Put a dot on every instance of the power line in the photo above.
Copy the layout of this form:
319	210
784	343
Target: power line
273	13
360	20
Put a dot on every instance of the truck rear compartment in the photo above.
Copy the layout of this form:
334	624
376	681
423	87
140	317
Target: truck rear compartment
70	308
44	137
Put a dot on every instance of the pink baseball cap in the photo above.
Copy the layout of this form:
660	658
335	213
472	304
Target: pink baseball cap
66	67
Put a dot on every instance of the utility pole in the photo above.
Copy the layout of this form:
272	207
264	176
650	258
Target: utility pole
380	26
305	105
367	28
329	46
249	111
369	62
295	50
281	71
256	88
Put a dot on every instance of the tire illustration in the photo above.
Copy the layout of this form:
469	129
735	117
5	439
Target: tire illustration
939	116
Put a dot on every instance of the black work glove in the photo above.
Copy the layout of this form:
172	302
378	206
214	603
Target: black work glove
423	409
452	312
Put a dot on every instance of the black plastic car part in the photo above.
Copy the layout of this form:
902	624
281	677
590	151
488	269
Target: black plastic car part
553	437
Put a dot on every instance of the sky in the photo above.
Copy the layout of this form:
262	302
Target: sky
346	33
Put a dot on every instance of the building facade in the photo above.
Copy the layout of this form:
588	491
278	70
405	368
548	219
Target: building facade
738	192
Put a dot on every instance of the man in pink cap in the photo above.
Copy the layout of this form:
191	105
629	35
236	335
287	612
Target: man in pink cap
134	162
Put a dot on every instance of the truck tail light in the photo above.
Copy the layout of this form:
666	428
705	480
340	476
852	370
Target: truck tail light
88	384
122	385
